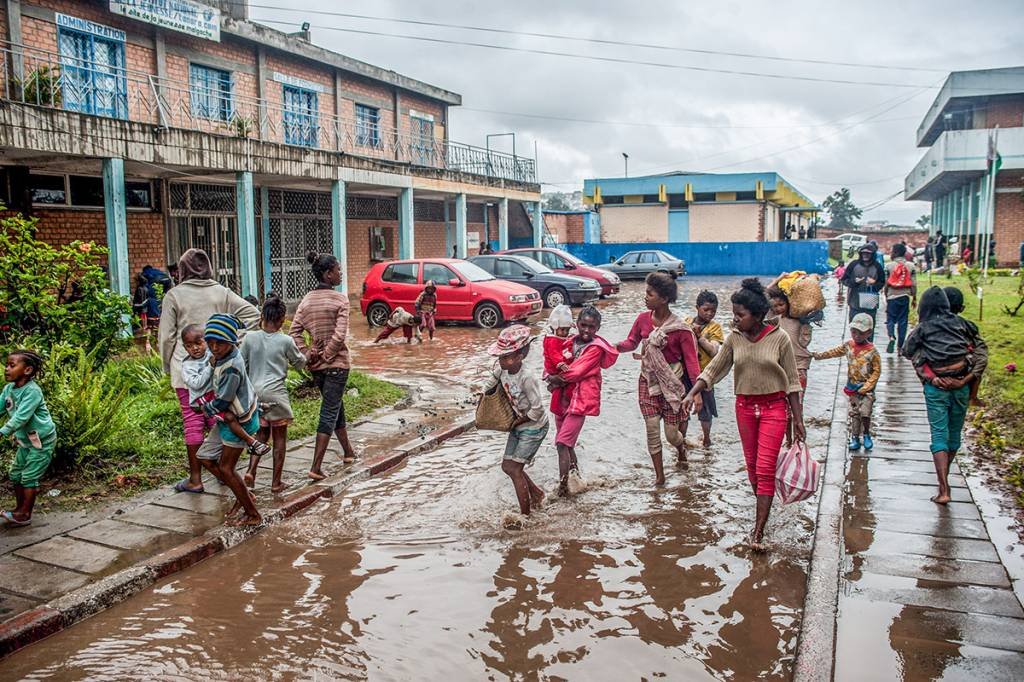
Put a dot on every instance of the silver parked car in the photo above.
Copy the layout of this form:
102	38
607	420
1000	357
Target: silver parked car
638	264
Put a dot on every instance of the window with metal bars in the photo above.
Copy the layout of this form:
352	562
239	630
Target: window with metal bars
210	92
92	74
367	126
301	117
371	208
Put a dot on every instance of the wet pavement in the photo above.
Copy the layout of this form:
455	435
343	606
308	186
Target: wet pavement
412	575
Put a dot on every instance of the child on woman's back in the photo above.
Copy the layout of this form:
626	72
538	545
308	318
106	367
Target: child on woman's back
531	425
557	355
267	354
979	350
30	424
197	374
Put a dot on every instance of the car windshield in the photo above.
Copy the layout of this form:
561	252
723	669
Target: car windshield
533	266
474	273
571	258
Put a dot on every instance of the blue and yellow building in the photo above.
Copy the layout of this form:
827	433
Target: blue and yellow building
698	207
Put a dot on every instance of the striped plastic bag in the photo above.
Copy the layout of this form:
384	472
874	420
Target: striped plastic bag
796	474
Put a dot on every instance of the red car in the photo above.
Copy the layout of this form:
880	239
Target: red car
564	262
465	292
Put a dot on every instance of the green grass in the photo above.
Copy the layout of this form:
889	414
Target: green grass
154	454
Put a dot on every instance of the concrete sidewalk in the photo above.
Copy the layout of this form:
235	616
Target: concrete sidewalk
918	591
68	565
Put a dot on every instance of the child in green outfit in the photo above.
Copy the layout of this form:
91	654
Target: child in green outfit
30	424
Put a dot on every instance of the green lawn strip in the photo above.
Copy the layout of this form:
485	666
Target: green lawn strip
154	455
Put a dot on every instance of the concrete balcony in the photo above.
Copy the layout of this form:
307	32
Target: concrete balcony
957	157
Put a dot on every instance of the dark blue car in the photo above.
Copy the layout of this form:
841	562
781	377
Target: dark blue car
554	287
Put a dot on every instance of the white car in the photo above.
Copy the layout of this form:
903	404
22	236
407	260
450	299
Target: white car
852	242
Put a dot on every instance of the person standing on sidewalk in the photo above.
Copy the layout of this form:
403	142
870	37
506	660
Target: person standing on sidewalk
765	381
900	293
864	278
323	314
942	348
864	367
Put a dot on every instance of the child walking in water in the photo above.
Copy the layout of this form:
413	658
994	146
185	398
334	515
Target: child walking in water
29	422
426	308
400	319
709	340
799	333
576	390
864	366
557	354
233	393
668	367
197	375
531	425
267	354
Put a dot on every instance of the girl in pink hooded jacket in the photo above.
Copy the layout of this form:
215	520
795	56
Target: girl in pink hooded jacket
576	392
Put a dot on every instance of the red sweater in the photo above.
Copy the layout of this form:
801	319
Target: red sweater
556	351
582	395
681	346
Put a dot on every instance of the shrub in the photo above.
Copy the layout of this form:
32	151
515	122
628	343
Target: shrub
52	296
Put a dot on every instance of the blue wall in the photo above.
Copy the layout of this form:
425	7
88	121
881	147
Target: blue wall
723	258
678	226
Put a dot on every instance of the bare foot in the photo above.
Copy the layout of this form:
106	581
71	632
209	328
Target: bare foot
246	520
563	490
659	480
536	501
277	487
317	475
941	499
250	480
681	458
237	506
757	545
707	442
348	459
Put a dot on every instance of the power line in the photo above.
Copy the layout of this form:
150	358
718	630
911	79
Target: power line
596	41
612	60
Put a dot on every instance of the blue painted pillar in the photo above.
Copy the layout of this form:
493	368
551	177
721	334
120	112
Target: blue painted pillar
503	224
339	230
268	279
538	225
406	227
460	225
246	220
117	226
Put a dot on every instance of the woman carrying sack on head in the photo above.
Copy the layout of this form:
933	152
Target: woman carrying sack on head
864	279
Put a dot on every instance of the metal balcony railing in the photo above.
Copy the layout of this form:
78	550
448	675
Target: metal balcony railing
47	79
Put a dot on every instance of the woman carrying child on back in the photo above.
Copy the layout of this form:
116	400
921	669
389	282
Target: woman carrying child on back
267	354
765	380
943	349
576	390
668	368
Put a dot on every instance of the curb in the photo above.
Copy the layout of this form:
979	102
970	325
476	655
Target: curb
64	611
815	652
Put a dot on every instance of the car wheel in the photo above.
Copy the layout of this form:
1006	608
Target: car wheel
377	314
555	296
487	316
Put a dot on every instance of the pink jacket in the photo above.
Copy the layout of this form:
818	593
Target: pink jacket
582	395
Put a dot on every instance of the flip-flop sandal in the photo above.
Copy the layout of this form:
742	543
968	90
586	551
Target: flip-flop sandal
182	487
9	518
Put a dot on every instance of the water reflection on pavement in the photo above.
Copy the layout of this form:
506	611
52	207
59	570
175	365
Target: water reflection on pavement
411	575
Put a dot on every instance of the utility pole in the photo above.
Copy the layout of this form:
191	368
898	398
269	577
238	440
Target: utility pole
625	159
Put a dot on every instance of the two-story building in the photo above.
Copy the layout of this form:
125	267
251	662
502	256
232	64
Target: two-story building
698	207
952	174
152	127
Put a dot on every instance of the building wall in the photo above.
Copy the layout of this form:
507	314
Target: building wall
567	228
885	239
723	222
146	244
632	224
1009	218
1004	112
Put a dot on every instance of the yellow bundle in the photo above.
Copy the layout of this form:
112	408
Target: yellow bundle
789	279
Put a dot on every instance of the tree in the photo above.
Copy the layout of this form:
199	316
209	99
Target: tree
925	220
557	201
841	209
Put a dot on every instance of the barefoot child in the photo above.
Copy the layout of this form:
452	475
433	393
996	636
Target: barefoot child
233	392
668	366
197	375
400	319
267	354
576	390
531	425
557	354
28	421
709	340
799	333
864	366
426	307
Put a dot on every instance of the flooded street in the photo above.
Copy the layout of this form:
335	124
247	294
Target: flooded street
412	576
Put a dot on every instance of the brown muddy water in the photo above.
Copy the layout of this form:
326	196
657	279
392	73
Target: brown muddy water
412	576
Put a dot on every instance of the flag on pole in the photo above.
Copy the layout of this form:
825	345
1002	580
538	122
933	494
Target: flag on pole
993	161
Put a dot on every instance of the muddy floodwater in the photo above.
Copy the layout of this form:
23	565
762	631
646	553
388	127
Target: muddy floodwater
412	576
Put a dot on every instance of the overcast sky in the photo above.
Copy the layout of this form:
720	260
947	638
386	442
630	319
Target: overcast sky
818	135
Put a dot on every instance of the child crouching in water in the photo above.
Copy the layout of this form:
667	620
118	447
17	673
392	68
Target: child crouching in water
864	366
267	354
232	393
197	375
29	422
400	319
531	425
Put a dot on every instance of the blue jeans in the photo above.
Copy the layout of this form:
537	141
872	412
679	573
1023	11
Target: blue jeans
897	314
946	413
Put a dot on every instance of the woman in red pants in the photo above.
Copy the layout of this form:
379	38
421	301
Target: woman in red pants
765	381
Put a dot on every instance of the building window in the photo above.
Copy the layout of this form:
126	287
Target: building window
422	141
92	74
677	201
85	191
210	91
746	196
651	199
704	196
612	200
48	189
301	114
367	126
